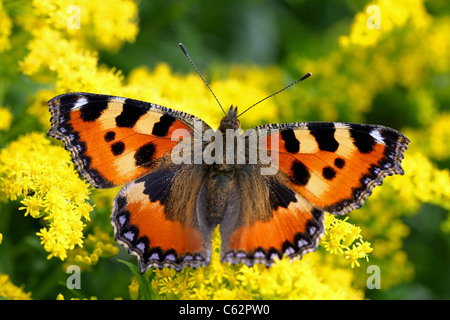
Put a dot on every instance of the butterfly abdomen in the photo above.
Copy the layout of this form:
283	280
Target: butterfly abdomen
220	190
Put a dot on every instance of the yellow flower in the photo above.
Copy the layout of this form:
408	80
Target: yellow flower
224	294
197	277
38	107
9	291
5	29
168	286
305	279
45	177
241	88
200	293
33	205
248	277
61	297
340	235
76	69
439	130
392	14
133	288
5	118
423	182
109	25
358	251
98	244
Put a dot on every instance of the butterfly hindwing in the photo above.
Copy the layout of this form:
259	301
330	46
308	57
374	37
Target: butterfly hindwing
273	220
157	221
114	140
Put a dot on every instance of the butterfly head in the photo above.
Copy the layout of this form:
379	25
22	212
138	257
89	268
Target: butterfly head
230	121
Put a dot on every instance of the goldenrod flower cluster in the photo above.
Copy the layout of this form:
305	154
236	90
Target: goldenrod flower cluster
393	15
344	238
309	278
409	49
97	244
10	291
44	178
5	29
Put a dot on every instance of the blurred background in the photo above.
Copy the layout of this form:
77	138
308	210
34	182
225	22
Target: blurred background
388	65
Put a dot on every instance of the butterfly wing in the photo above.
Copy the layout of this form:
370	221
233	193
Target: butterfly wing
273	220
114	141
322	167
155	218
335	166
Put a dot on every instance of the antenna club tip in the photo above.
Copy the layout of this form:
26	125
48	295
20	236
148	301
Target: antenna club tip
183	48
306	76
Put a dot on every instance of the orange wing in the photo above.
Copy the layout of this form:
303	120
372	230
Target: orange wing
114	140
271	220
290	226
335	166
162	230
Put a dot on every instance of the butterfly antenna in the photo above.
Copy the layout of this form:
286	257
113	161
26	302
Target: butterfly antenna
198	72
301	79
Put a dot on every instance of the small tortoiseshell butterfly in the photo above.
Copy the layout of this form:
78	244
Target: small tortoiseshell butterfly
166	212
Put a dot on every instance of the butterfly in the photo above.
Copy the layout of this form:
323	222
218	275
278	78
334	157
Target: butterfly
167	210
